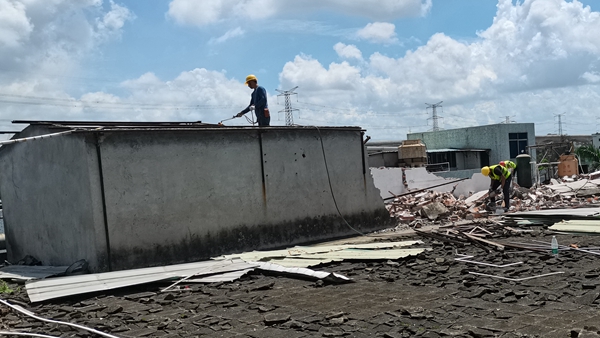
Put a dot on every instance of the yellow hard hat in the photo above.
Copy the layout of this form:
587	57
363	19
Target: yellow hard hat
485	171
250	78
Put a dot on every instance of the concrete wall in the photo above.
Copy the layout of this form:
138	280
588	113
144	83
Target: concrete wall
176	196
51	199
494	137
383	159
471	160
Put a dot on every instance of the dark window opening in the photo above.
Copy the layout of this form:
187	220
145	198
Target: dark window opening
517	143
485	158
450	157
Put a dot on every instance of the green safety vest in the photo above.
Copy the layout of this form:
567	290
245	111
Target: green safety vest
510	164
493	175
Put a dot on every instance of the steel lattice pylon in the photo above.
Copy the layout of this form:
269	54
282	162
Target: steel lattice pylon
434	115
289	111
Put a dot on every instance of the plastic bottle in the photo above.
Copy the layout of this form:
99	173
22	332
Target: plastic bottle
554	246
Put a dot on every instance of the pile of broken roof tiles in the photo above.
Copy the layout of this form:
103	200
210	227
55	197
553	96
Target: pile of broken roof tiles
432	206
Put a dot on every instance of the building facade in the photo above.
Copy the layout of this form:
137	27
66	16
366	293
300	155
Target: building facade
466	150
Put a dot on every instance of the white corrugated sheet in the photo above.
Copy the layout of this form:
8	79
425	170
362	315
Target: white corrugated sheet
43	289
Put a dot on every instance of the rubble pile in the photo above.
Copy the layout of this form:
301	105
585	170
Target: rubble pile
433	206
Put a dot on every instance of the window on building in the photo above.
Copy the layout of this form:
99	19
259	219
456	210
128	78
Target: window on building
517	143
442	157
484	158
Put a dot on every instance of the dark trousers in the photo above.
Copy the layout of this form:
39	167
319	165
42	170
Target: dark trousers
263	121
505	191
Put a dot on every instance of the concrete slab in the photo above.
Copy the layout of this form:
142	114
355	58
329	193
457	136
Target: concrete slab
390	179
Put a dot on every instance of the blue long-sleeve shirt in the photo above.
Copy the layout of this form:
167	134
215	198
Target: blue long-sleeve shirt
259	100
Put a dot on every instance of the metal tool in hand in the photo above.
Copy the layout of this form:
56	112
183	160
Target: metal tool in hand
221	123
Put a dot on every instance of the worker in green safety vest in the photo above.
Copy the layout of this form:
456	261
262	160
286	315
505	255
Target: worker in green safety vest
500	177
510	165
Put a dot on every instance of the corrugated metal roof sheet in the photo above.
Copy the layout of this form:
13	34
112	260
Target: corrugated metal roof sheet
306	256
309	250
43	289
581	212
330	276
229	268
579	226
25	272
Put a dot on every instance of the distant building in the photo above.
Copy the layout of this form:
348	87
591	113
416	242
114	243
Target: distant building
596	140
576	140
465	150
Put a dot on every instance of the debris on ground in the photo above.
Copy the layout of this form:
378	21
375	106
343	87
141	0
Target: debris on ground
428	207
473	274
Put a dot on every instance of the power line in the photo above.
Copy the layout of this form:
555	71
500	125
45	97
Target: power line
63	102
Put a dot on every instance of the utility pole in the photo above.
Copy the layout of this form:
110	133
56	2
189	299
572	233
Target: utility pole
434	115
289	111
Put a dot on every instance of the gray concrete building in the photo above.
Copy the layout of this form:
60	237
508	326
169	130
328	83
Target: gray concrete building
466	150
127	195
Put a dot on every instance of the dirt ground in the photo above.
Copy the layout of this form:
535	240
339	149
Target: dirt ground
430	295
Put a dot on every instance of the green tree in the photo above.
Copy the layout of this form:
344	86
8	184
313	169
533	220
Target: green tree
590	155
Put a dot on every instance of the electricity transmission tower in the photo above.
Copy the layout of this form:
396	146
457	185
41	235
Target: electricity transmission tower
560	123
289	111
434	115
508	120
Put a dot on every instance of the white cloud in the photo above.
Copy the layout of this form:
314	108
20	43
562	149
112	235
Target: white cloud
196	95
112	22
230	34
592	77
347	51
15	27
43	44
50	38
378	32
200	13
538	58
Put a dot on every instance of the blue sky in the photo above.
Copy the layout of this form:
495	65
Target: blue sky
371	63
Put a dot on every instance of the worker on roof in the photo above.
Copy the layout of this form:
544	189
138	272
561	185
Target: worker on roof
258	102
500	177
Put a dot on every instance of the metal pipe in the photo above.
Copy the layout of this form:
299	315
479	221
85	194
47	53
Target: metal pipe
32	315
516	279
103	196
416	191
33	138
465	257
27	334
